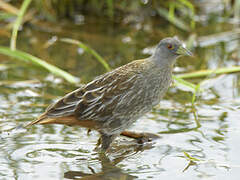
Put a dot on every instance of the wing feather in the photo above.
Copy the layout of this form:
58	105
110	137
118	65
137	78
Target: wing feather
95	100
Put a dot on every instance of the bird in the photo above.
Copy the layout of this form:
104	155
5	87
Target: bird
112	102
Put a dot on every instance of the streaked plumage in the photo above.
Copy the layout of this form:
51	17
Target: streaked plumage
113	101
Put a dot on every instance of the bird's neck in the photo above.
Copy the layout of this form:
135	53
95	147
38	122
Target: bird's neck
160	61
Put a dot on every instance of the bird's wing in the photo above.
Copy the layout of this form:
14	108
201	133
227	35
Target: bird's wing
96	99
100	102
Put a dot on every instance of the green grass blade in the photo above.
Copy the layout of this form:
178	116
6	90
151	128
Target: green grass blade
89	50
176	21
171	11
237	9
190	157
203	73
110	9
18	23
190	6
187	84
197	88
23	56
4	15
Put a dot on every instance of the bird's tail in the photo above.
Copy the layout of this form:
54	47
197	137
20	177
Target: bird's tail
44	119
39	120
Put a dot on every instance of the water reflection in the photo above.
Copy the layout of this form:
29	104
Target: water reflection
109	171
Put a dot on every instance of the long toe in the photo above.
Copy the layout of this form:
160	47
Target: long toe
140	137
106	141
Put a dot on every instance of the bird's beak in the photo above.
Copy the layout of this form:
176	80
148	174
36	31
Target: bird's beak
184	51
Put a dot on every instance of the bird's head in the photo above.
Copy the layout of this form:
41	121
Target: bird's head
169	49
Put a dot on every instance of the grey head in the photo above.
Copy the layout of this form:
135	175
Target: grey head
168	50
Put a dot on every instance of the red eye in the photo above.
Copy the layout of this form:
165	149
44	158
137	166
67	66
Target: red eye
170	46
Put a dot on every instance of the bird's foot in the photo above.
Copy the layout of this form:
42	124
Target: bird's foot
105	141
140	137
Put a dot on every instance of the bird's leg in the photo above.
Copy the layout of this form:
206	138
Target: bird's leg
88	132
140	137
106	140
99	142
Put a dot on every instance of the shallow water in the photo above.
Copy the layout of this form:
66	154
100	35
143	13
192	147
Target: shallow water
61	152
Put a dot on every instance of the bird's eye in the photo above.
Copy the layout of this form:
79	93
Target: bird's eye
170	46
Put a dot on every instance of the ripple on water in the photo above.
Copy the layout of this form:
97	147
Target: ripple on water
43	152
